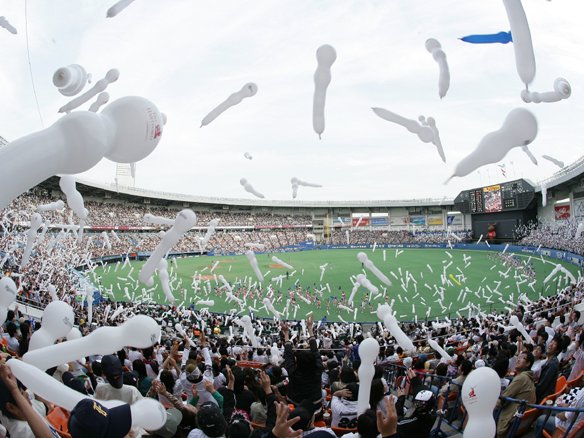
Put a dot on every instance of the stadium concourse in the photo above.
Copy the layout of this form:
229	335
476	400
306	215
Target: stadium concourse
217	376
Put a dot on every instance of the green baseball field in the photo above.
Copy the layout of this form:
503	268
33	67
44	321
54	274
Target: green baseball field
426	283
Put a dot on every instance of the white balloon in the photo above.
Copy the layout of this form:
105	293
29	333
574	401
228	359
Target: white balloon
146	413
118	7
557	162
52	206
254	265
127	130
245	322
362	257
57	322
111	76
209	233
275	358
208	303
519	129
52	292
522	45
514	321
70	80
141	331
385	314
480	392
36	221
106	240
543	187
364	281
434	47
158	220
248	90
102	99
426	129
179	328
562	90
165	280
8	292
529	154
270	307
280	262
325	57
438	349
74	199
248	156
368	352
6	25
579	231
249	188
74	334
185	220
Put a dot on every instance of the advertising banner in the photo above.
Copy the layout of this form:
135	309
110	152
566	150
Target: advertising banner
419	221
360	221
399	220
435	219
454	219
382	221
562	212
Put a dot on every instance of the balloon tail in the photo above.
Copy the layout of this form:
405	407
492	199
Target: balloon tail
448	180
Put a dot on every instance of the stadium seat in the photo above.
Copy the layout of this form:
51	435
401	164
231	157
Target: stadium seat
577	382
576	432
59	419
561	384
529	417
340	431
249	364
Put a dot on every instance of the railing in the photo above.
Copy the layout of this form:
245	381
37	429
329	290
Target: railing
453	413
544	412
450	413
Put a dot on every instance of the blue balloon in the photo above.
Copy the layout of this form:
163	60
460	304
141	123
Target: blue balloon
501	37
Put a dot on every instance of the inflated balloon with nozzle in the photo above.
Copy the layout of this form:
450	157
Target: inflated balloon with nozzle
8	291
562	90
36	221
141	331
146	413
480	392
519	129
385	314
368	352
70	80
126	131
514	321
57	322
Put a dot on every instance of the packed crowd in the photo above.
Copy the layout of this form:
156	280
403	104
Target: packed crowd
364	236
302	378
113	214
553	234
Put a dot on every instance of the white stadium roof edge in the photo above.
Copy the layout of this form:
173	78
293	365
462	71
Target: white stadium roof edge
570	171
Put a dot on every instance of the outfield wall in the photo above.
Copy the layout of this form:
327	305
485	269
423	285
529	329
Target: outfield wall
553	253
573	259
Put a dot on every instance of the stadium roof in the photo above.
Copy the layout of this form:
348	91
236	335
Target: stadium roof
132	194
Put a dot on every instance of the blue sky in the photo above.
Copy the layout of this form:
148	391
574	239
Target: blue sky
189	56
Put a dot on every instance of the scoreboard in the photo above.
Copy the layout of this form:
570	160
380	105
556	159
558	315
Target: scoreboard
509	196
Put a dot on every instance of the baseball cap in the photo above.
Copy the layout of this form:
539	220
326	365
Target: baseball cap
210	420
90	419
173	419
72	382
112	369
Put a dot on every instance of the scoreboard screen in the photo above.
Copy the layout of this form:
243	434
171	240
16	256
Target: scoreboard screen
513	195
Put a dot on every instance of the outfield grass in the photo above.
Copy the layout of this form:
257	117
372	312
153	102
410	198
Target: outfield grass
482	271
